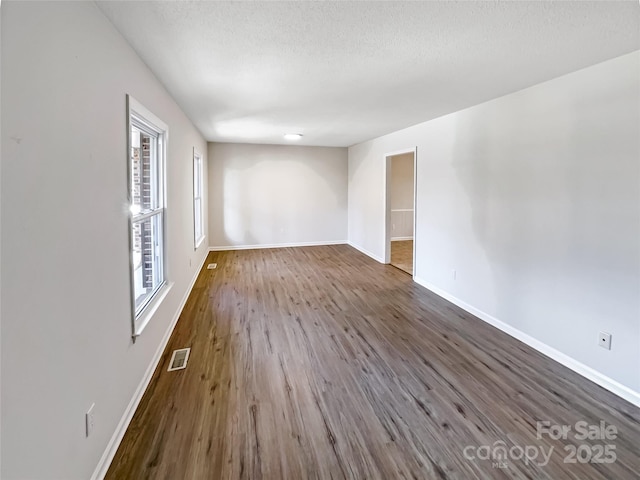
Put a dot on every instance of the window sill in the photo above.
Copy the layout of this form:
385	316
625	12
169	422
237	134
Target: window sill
149	311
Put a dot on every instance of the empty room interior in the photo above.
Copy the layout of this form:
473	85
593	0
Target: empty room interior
320	240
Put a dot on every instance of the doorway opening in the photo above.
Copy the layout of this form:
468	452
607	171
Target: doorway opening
400	172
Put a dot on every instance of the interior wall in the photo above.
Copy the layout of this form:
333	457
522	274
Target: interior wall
1	153
401	196
533	200
66	318
265	195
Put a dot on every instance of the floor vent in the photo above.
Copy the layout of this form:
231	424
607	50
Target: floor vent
211	266
179	359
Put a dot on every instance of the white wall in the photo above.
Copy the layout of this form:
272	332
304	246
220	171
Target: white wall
401	196
1	153
276	194
533	198
66	320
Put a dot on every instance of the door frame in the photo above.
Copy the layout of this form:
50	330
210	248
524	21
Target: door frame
387	202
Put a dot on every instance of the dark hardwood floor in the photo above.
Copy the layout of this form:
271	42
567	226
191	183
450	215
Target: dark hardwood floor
320	363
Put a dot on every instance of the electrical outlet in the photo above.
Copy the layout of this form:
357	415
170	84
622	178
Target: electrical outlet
604	340
90	420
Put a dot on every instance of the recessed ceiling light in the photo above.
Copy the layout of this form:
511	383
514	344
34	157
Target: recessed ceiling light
293	136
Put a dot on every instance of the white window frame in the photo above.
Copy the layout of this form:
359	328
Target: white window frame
198	197
140	117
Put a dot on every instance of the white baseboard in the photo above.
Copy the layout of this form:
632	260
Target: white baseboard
599	378
276	245
114	443
366	252
400	239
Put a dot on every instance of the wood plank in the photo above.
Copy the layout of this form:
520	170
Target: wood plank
320	363
402	255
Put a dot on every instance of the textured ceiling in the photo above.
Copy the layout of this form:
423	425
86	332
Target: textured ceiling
345	72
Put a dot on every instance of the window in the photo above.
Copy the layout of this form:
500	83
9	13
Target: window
147	150
198	215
